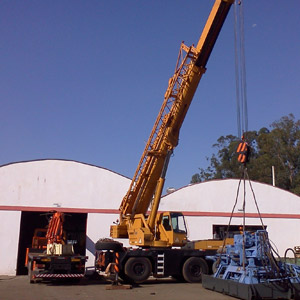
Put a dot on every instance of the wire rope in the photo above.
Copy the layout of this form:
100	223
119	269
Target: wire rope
240	69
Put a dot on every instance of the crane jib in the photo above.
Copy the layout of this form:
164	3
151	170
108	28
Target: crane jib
211	31
190	67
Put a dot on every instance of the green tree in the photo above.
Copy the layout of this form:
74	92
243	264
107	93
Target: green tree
278	146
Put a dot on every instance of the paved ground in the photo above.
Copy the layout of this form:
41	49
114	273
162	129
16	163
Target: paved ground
14	288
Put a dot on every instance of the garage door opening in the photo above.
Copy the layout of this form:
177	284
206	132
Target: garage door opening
219	231
74	227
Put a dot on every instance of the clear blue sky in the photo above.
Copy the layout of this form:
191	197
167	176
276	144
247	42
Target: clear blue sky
84	80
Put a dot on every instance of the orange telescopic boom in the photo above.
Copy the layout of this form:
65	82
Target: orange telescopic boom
55	229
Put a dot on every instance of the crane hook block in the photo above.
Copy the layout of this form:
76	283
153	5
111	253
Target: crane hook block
243	151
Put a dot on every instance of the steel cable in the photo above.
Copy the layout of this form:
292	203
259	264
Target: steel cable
240	69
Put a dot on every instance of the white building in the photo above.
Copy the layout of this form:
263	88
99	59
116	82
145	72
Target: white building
91	197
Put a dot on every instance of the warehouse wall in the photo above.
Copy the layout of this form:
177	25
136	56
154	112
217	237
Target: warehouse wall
209	203
75	187
47	185
52	183
9	233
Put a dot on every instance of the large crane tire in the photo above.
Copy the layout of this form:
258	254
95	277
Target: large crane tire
138	269
193	269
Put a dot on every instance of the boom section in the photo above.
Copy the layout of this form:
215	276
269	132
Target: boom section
190	67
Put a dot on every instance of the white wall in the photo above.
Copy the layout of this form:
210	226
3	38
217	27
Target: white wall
98	226
219	196
282	232
9	235
68	183
76	185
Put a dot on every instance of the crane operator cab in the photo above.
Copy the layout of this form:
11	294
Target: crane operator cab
171	228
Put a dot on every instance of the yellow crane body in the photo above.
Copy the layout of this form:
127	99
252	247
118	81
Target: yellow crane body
145	190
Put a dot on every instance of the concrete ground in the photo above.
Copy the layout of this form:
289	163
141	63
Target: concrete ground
18	287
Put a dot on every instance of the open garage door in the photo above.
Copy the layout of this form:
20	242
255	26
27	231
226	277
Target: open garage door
219	231
74	226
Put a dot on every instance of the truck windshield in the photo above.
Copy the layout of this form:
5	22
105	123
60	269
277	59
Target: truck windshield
178	223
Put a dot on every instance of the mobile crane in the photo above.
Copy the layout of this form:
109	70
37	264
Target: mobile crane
156	235
50	257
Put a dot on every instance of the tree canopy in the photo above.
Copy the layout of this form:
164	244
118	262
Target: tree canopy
277	147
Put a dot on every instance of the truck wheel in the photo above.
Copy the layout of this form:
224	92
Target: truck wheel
193	269
108	245
30	272
138	269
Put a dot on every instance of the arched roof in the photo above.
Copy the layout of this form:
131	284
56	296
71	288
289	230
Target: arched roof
60	183
71	184
220	196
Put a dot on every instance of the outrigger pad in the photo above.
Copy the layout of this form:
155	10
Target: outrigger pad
270	290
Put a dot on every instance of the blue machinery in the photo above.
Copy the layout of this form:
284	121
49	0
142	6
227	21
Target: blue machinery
249	270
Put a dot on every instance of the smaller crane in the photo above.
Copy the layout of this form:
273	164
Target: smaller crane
54	233
50	257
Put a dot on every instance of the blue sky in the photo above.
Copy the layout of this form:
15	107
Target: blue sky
84	80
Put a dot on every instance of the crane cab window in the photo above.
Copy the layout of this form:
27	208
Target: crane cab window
166	223
178	223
